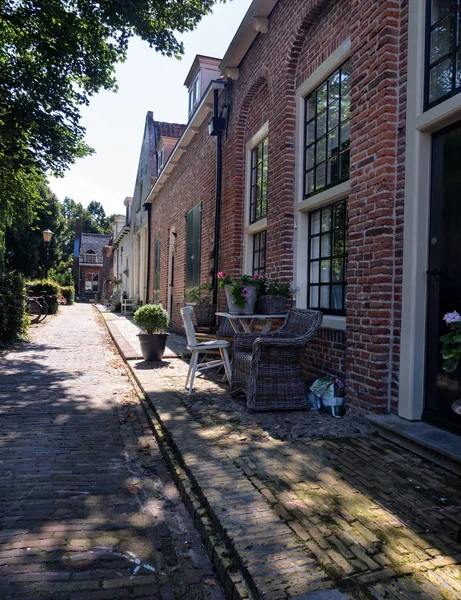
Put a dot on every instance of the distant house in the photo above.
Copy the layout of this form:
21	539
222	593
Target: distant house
89	263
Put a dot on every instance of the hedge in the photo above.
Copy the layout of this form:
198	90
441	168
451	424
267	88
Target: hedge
47	288
14	321
68	292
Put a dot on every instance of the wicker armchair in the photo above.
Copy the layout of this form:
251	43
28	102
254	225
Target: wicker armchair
268	369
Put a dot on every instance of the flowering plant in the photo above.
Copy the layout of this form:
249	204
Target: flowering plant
274	287
451	350
239	289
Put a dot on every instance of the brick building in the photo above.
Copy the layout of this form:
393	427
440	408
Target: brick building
91	267
338	175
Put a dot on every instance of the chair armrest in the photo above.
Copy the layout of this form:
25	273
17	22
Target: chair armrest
243	342
279	342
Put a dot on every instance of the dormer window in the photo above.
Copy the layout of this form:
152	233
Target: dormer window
90	256
160	158
194	93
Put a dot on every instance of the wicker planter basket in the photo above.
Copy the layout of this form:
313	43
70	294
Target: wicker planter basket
271	305
205	314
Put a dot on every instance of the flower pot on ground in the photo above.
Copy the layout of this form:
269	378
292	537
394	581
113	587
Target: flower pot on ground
205	311
153	319
273	297
241	292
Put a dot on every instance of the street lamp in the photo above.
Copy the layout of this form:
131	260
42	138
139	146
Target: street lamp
69	270
47	235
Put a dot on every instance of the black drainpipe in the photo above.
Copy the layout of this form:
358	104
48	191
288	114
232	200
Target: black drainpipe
149	237
217	223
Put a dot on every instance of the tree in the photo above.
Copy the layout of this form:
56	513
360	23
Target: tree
56	54
25	250
98	212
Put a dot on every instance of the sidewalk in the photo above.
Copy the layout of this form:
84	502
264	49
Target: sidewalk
303	502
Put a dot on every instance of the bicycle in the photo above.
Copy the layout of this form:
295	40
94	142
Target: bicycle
33	308
38	312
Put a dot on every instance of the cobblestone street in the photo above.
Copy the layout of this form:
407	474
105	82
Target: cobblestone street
307	502
88	509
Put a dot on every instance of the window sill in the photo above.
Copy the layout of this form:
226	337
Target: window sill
334	322
255	227
325	197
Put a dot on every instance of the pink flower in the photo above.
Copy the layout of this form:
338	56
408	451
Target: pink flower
245	292
222	274
453	317
257	276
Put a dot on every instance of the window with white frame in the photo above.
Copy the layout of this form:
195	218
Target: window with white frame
327	258
91	282
160	158
443	57
326	133
90	257
194	93
257	203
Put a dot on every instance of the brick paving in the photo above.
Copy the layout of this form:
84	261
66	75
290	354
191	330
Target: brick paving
308	502
88	509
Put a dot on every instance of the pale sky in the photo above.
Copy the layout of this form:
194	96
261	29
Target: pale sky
114	122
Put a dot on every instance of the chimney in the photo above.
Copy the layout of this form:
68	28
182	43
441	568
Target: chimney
78	229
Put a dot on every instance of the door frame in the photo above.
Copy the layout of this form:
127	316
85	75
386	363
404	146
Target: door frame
420	126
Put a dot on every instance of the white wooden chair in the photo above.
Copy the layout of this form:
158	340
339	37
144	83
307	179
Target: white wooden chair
198	348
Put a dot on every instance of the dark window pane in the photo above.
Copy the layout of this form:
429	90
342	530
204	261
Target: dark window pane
320	176
458	69
440	9
345	135
441	39
327	258
259	177
440	82
193	235
344	165
324	131
259	253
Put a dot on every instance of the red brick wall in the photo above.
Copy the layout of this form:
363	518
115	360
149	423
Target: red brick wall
193	182
302	35
90	269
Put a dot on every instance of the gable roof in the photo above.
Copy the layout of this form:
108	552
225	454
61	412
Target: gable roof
171	130
95	242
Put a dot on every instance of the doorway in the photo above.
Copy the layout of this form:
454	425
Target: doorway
443	390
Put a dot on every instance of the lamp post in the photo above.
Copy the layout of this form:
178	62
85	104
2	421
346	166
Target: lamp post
69	270
47	235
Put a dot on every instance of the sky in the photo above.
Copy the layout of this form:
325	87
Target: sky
114	122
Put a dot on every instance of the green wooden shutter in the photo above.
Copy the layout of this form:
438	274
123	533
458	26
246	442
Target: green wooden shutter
193	234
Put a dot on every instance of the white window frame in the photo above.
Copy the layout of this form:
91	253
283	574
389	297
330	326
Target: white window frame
94	258
161	158
329	196
194	93
91	280
250	230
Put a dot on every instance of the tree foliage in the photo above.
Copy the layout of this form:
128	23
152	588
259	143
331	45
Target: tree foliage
56	54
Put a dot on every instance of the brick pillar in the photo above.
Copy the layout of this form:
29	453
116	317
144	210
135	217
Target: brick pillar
375	156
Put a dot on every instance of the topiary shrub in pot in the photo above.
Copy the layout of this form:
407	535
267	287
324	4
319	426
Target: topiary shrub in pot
153	318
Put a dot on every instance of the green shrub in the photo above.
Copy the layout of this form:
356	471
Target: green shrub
151	317
14	321
68	292
47	288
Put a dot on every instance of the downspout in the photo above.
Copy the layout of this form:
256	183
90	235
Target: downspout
217	223
149	237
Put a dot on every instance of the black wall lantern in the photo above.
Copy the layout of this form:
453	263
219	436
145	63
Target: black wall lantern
216	125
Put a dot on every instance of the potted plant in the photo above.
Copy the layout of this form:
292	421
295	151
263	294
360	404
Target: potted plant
153	318
273	296
330	389
241	292
204	309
